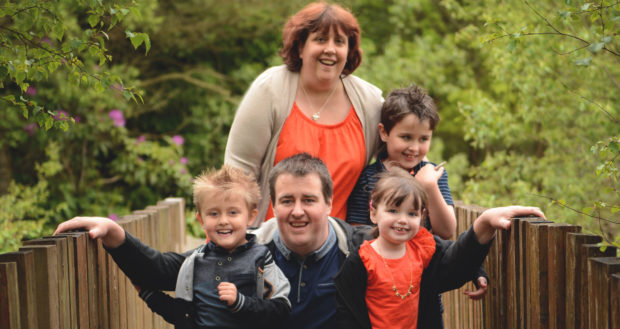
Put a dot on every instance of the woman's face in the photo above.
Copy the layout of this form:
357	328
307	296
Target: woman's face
324	55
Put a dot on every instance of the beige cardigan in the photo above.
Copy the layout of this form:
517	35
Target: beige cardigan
259	119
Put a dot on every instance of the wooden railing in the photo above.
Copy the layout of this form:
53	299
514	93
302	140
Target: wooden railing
543	275
70	282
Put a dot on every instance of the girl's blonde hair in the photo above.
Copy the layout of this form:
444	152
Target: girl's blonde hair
394	187
226	180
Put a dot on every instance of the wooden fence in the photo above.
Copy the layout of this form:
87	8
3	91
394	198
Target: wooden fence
542	275
70	282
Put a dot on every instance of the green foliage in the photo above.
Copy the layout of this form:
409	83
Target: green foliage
524	90
24	210
527	91
41	38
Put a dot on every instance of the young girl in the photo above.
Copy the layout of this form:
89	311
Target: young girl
379	286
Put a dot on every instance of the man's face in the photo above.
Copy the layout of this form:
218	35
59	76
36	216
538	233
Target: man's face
301	212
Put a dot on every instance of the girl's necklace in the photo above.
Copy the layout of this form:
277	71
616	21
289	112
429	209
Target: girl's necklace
398	294
317	115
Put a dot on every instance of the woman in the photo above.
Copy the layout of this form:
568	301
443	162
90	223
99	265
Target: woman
311	104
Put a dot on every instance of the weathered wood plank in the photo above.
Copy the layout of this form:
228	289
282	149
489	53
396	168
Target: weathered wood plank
64	295
614	292
600	270
27	286
77	246
589	251
46	277
557	273
9	298
574	280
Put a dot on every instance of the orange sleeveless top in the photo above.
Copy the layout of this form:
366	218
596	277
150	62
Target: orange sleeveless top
341	146
385	309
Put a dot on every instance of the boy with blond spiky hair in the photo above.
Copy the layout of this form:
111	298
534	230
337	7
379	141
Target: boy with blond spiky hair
229	282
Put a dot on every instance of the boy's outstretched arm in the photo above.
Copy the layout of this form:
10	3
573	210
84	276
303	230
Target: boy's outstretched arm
499	218
111	234
144	265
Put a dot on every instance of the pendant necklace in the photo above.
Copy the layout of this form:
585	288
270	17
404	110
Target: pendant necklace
317	115
397	293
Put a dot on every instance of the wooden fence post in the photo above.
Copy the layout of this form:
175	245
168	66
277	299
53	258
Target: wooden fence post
64	296
589	251
575	292
557	273
9	298
615	301
600	270
77	246
26	280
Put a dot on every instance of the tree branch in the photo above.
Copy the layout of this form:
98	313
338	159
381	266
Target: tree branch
577	211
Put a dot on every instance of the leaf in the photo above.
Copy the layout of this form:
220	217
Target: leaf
565	14
127	94
25	113
596	47
49	122
147	43
137	40
585	6
136	12
583	62
607	39
93	20
512	45
615	209
587	210
59	31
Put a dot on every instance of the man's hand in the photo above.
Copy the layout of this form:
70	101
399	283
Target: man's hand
228	292
482	289
112	235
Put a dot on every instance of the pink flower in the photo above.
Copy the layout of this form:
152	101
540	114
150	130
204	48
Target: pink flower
113	216
140	139
31	91
30	128
77	119
117	116
47	40
178	140
61	115
184	160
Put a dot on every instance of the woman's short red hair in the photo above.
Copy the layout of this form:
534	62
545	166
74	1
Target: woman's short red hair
312	18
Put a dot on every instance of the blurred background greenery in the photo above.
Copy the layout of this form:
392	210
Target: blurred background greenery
109	106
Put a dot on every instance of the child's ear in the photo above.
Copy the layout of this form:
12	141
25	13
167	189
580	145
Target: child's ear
252	216
382	133
199	218
373	213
